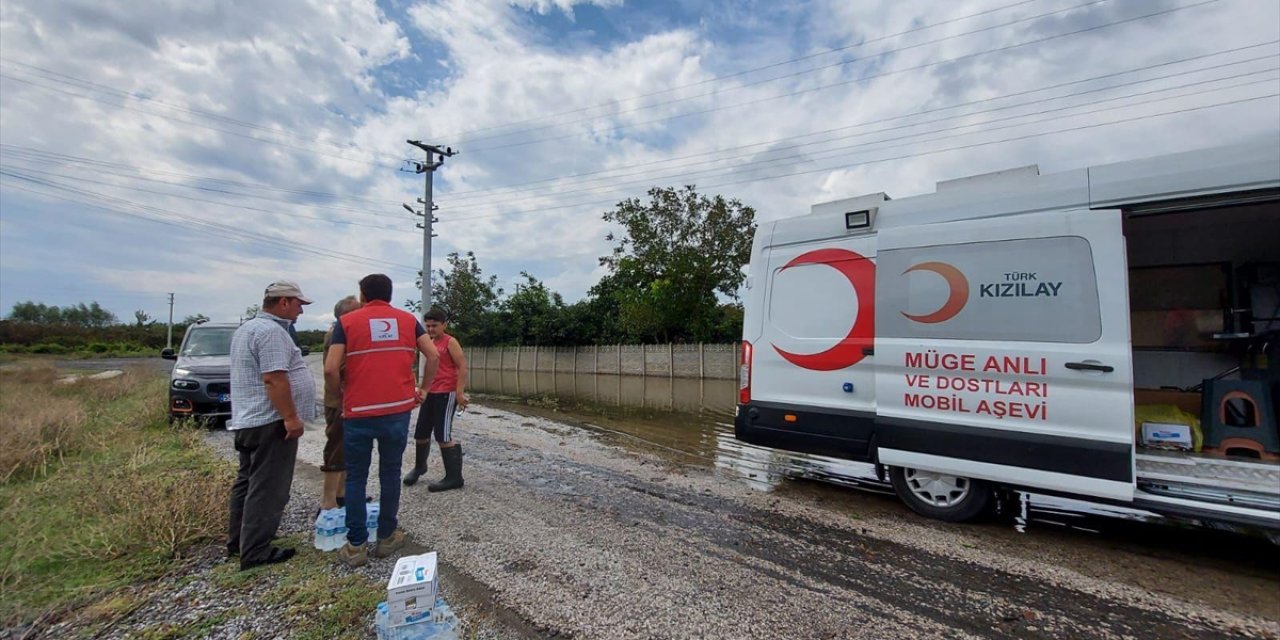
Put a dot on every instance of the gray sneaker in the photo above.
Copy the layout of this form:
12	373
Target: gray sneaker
387	547
354	556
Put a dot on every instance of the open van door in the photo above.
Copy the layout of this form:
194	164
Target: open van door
1003	354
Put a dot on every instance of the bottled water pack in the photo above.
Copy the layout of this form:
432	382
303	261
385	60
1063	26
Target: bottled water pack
442	624
331	529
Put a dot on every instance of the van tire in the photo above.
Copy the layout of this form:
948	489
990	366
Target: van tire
965	500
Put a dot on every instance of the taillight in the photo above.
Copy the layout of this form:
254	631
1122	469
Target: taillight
744	374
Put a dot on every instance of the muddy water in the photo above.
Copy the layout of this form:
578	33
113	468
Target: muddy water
690	422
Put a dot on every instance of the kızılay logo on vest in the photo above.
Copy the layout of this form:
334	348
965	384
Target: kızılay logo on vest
383	330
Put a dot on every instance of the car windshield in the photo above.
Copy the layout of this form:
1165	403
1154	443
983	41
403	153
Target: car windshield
208	342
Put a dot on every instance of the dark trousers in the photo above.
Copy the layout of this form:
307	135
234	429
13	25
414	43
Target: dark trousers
261	489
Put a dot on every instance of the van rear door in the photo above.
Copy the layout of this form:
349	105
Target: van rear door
1003	351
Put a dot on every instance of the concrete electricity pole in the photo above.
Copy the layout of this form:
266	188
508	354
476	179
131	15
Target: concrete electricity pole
435	158
168	341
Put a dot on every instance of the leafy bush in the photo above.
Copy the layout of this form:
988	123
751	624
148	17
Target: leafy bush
45	347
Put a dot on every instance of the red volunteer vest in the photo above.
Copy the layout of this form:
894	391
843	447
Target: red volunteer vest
381	349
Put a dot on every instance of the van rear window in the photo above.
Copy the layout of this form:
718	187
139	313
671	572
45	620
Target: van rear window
1032	290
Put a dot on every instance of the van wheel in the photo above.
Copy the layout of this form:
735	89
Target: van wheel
941	496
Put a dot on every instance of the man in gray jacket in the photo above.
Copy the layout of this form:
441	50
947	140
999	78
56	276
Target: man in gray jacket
272	395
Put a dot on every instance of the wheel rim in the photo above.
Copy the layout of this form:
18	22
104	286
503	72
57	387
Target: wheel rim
937	489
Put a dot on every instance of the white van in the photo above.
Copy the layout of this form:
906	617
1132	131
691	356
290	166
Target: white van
998	334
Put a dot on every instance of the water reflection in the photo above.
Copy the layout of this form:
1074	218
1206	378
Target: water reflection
690	421
706	397
689	418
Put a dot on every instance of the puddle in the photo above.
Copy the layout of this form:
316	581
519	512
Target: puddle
683	420
690	422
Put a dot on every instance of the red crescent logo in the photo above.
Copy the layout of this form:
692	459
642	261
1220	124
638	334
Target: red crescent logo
861	273
957	299
386	325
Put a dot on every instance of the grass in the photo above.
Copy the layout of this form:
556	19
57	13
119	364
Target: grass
101	496
322	605
98	492
317	598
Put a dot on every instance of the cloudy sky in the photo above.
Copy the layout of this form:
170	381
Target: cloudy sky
208	147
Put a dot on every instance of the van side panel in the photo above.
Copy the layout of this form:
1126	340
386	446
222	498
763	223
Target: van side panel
757	279
812	369
1004	350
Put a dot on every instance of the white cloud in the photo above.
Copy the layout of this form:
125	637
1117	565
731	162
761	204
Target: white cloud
309	72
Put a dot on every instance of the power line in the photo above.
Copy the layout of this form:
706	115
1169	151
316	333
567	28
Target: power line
469	132
362	212
177	220
515	187
841	83
214	202
88	84
189	122
54	156
898	157
683	173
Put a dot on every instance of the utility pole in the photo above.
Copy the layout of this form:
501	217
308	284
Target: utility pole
435	158
168	341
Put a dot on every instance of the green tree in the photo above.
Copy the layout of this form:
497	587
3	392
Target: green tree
90	315
35	313
252	310
468	297
533	315
678	255
141	318
200	317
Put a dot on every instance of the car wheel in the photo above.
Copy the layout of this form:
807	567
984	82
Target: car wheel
941	496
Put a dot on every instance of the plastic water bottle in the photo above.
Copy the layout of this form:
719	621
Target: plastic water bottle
371	519
339	528
322	533
330	527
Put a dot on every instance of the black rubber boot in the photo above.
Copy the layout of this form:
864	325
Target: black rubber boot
452	457
421	452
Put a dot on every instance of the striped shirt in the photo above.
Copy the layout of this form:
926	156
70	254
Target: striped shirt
259	346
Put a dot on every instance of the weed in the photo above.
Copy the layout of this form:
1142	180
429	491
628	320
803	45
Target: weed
544	401
98	492
320	604
38	425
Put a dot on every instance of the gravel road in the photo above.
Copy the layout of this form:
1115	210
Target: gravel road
567	531
579	535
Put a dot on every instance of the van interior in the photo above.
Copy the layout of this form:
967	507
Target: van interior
1204	292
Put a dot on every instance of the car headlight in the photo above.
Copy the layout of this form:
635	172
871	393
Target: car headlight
181	373
186	384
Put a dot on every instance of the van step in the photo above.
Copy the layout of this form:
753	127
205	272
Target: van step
1218	473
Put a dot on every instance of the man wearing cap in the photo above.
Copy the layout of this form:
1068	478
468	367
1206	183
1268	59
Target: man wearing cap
273	394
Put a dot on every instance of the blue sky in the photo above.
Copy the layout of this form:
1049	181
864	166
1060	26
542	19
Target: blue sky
238	144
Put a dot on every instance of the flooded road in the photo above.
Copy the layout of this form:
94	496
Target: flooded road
691	422
591	521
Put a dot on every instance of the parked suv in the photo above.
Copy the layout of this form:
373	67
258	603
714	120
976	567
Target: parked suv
200	385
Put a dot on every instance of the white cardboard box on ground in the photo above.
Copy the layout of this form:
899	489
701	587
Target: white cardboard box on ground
411	610
414	577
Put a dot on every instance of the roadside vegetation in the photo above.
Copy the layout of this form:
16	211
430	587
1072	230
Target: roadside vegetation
97	490
673	275
108	508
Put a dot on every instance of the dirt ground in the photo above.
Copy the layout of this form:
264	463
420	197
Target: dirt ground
578	532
